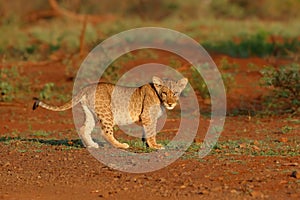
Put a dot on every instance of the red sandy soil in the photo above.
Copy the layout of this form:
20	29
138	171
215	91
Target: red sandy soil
52	171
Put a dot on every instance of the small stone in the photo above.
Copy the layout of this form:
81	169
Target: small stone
162	180
283	182
290	164
233	191
243	145
295	174
104	195
7	164
256	148
256	194
204	192
164	195
283	140
217	189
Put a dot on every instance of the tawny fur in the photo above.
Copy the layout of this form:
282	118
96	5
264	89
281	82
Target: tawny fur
116	105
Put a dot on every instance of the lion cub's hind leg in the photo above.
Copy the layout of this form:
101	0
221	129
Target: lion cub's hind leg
106	123
87	128
107	132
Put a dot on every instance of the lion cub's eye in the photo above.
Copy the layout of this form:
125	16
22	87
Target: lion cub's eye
176	94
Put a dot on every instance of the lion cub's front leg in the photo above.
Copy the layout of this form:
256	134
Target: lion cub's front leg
149	118
151	141
150	134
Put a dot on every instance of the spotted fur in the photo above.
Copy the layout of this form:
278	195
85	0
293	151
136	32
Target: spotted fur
116	105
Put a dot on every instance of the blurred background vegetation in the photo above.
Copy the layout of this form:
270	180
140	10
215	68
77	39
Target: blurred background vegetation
52	30
26	26
164	9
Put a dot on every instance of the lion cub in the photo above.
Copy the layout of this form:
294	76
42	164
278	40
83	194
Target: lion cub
116	105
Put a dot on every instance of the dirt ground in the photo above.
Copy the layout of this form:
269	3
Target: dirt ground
45	166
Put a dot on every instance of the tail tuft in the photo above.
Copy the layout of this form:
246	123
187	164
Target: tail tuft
36	103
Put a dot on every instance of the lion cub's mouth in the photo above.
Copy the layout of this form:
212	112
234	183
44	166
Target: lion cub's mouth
170	106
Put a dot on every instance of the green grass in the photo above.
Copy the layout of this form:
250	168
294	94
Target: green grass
41	133
6	85
200	85
262	148
225	65
285	95
258	44
67	37
13	40
267	147
248	147
294	121
25	144
286	129
35	42
13	85
47	91
52	92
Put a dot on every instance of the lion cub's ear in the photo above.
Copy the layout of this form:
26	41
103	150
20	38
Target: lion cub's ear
158	83
182	83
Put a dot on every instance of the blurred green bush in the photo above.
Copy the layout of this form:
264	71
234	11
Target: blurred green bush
160	9
285	84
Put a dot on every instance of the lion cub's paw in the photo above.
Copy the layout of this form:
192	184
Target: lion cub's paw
157	146
124	146
94	145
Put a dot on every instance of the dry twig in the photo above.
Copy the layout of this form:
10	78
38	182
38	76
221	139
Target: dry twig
79	17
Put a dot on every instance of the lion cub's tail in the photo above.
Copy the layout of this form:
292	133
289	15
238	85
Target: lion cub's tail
76	99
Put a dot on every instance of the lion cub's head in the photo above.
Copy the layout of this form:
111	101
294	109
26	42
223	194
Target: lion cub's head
169	90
